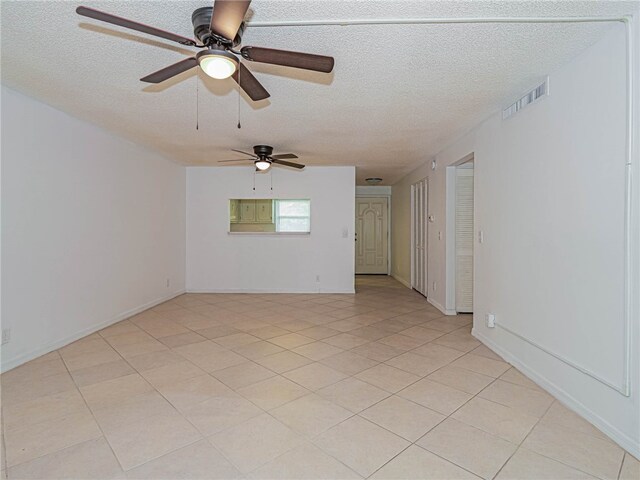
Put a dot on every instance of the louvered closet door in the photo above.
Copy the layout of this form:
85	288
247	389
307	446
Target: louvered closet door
464	239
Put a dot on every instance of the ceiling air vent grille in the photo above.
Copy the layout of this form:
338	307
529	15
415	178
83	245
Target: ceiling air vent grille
535	94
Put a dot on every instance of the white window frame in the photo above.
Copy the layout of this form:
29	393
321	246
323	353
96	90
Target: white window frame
278	216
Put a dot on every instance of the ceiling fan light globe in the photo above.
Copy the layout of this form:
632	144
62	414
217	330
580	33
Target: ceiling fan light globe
217	63
217	66
262	165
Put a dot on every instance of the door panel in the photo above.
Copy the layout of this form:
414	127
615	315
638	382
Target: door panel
264	211
464	240
371	235
247	211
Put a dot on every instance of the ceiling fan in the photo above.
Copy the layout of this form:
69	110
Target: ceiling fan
219	30
262	158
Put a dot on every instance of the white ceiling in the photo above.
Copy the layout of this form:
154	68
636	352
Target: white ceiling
398	94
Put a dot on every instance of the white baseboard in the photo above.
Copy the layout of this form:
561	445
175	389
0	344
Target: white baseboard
565	398
430	300
49	347
441	308
269	290
401	280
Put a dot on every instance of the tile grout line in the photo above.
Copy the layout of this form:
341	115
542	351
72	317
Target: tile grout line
523	440
84	400
393	394
621	465
5	467
435	426
453	412
155	390
450	416
100	426
560	461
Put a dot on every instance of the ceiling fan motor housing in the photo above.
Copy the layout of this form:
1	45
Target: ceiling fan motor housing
201	19
263	151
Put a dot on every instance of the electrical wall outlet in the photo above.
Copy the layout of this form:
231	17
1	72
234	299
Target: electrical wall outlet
6	335
433	286
491	320
168	282
318	278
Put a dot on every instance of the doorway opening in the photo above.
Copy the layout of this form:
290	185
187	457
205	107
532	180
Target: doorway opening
419	227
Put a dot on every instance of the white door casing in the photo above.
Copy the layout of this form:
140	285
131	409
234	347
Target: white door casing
372	235
419	236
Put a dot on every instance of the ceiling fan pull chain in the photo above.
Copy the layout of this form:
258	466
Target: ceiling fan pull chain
197	101
271	178
239	73
254	180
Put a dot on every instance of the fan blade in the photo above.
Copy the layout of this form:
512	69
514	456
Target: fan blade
244	153
308	61
287	164
282	156
140	27
250	84
236	160
227	17
170	71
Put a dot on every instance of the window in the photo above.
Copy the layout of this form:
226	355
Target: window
293	216
269	216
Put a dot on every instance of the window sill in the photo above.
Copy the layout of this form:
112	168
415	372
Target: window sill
273	234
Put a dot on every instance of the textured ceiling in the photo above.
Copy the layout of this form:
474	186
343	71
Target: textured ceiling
397	96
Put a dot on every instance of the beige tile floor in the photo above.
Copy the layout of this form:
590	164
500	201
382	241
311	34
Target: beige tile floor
373	385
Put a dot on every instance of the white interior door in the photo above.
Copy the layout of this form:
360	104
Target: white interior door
372	235
419	236
464	238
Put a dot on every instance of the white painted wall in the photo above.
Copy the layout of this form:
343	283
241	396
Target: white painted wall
549	197
92	226
373	190
218	261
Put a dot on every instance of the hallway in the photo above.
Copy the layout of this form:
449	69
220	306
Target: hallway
373	385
